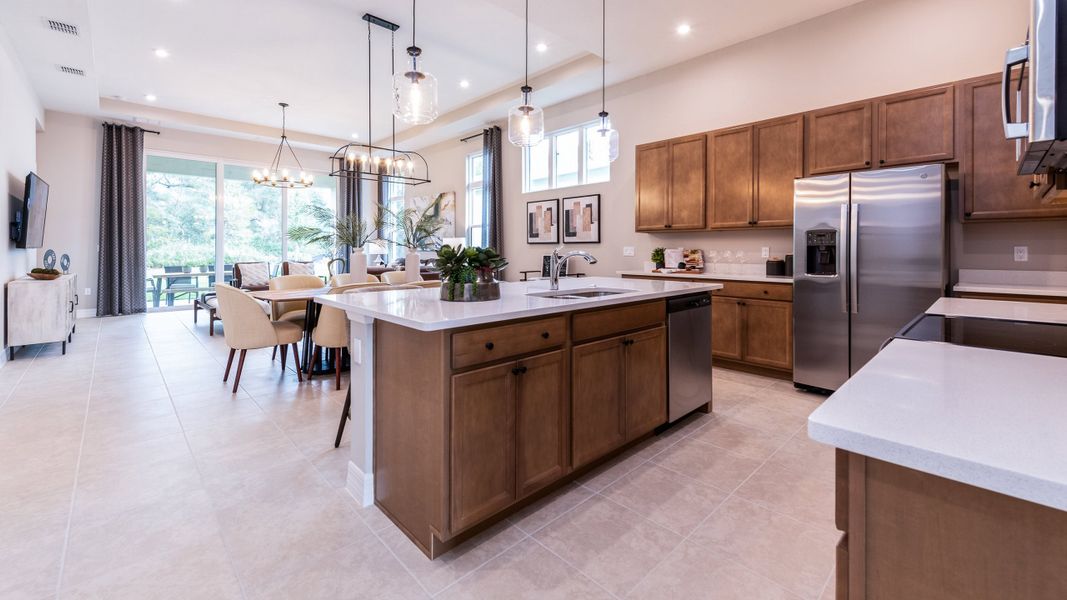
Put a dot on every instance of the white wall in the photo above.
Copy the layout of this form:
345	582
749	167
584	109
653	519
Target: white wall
874	48
20	115
68	153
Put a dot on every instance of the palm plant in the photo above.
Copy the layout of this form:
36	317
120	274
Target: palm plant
332	232
417	229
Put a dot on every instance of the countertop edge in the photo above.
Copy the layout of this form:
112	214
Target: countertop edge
712	276
1014	289
995	479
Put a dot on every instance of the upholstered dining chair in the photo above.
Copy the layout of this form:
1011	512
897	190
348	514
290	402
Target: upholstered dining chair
252	276
298	267
293	311
396	277
349	278
433	283
247	327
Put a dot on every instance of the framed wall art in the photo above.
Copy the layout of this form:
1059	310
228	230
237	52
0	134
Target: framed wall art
581	219
542	222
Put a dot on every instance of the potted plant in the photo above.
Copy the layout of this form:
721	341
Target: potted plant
469	274
417	229
334	233
658	257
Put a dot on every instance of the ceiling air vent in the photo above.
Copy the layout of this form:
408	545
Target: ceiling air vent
62	27
71	70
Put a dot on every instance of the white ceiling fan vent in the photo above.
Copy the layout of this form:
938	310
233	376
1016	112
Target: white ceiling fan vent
61	27
71	70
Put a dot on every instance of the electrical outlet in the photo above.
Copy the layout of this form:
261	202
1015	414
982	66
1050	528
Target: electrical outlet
1022	253
627	250
765	252
88	291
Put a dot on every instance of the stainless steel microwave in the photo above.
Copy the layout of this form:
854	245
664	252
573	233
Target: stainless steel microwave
1040	123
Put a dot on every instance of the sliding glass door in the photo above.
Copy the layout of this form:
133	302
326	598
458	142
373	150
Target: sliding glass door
202	216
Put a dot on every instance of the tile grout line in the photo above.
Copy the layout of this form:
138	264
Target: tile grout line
77	468
21	376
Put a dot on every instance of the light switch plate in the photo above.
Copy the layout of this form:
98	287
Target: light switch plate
627	250
765	252
1022	253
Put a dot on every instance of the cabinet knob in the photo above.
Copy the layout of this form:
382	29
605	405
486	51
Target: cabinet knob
668	225
518	370
866	163
881	161
544	334
627	342
489	345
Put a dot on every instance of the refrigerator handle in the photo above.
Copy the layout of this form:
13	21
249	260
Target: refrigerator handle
853	258
1015	57
844	250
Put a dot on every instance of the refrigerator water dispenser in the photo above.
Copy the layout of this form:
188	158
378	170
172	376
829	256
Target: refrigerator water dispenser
822	252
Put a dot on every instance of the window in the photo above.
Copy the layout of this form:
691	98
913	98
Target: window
202	216
395	202
562	160
476	234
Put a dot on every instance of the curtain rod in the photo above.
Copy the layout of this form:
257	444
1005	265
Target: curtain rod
138	126
472	136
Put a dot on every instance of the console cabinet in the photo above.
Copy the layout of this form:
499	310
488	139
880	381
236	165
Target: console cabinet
41	312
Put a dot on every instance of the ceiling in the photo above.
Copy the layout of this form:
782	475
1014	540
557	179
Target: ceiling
233	60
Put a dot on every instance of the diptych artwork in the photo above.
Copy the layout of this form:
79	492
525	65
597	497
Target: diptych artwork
542	222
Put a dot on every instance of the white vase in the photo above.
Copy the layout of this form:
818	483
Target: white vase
357	266
412	267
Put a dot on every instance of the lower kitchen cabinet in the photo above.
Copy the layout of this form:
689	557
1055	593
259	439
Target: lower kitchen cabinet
768	333
754	327
726	327
645	389
541	421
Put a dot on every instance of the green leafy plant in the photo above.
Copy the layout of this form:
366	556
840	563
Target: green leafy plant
43	271
332	232
658	256
416	229
461	265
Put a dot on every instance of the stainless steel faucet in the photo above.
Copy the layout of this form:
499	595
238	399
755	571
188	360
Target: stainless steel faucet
557	261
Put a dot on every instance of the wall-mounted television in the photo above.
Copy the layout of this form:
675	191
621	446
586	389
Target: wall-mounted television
34	208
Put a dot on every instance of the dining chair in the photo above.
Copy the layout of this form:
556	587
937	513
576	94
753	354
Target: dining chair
349	278
247	327
252	276
431	283
298	267
396	277
331	331
294	311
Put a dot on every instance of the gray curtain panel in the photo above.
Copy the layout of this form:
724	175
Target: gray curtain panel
121	271
493	188
348	192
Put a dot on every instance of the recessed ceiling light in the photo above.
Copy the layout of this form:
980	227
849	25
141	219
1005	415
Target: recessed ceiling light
541	47
463	83
683	29
150	97
161	53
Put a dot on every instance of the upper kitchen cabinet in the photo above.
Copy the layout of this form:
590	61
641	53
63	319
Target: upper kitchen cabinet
779	160
839	138
731	177
670	184
916	127
991	188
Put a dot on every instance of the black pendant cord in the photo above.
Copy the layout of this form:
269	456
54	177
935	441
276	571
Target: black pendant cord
603	55
370	136
392	70
526	89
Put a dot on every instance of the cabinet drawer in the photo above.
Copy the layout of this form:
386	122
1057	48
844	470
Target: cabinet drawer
494	343
609	321
756	291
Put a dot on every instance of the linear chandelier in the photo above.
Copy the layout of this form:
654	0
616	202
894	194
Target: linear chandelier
368	162
277	176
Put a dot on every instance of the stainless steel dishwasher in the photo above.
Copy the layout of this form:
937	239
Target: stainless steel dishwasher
688	354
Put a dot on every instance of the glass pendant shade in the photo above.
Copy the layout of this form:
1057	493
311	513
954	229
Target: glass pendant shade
604	143
415	97
526	125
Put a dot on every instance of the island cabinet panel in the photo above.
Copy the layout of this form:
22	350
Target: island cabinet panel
482	444
489	344
541	432
922	537
992	189
599	323
768	333
779	161
726	327
598	423
645	382
653	186
731	175
839	138
687	193
916	127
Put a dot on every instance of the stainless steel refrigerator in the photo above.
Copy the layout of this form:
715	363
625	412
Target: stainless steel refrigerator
869	255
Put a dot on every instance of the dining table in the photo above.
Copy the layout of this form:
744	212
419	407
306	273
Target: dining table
311	317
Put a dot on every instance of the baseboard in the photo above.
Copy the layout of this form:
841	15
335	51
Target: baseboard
360	485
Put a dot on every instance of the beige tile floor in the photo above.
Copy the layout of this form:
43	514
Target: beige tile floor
128	470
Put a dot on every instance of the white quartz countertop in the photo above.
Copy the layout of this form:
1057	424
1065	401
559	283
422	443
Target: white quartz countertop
1024	283
424	310
988	418
711	276
1034	312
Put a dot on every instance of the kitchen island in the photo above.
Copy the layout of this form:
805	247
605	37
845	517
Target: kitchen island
952	467
462	412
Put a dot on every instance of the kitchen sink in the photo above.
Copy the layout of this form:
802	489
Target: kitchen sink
580	294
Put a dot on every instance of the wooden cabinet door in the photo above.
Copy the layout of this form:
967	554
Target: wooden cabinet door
725	328
482	444
646	381
839	139
779	161
768	333
991	187
730	178
688	162
541	421
653	186
597	425
916	127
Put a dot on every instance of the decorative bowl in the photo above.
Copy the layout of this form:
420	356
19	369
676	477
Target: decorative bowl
45	276
470	292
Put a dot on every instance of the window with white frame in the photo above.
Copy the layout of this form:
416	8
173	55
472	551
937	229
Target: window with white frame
563	159
395	203
476	232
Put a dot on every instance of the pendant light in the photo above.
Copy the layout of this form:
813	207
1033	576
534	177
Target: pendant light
277	176
414	91
604	143
526	123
